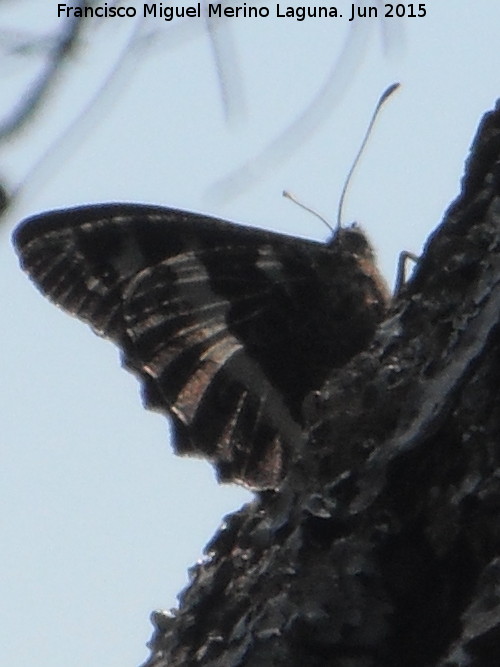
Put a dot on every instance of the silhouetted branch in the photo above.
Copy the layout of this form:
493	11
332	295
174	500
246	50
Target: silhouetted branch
58	52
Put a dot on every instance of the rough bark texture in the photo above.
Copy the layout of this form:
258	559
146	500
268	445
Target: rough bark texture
383	546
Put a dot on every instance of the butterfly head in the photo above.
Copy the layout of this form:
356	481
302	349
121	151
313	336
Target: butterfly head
353	241
355	253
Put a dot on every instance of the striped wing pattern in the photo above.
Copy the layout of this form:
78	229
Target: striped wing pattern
227	327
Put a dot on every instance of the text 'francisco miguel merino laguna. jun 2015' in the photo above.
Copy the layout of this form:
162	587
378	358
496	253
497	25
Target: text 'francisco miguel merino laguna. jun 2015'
244	11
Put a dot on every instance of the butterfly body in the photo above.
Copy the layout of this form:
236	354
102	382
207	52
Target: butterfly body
228	327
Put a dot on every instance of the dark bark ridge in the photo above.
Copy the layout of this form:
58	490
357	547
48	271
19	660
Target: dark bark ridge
382	547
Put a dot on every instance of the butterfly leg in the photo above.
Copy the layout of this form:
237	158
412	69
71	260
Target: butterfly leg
404	256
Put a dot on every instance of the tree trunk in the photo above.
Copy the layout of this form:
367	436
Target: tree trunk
382	546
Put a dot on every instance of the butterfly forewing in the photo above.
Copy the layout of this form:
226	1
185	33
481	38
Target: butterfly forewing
228	327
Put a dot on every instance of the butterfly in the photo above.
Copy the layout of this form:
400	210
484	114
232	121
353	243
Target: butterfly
227	327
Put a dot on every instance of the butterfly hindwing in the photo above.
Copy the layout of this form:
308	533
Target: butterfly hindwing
228	327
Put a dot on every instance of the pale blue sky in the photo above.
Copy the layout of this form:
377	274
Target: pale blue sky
100	520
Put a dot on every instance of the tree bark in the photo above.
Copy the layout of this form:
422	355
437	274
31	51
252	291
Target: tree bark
382	546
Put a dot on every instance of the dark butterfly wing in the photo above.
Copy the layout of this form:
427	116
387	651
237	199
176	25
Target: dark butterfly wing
228	327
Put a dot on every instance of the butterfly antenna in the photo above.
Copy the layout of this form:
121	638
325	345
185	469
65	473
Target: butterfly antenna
384	97
293	198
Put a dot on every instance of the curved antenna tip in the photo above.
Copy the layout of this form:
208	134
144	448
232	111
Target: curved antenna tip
388	92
